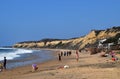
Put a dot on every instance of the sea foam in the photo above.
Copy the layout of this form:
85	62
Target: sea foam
11	53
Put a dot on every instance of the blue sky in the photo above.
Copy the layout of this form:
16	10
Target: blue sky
27	20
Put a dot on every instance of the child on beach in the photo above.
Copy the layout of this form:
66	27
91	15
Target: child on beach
1	66
34	67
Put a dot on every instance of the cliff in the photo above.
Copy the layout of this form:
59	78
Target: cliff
77	43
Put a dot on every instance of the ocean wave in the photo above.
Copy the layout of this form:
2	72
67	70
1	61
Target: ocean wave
11	53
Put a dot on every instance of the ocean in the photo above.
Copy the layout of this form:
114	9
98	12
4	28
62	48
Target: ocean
20	57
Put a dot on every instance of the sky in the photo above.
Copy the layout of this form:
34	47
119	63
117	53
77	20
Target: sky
29	20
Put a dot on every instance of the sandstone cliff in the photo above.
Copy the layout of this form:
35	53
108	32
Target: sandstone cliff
76	43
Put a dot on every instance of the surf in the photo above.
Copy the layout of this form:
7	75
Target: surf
11	53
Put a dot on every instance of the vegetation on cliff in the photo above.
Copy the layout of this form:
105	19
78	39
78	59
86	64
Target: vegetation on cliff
111	34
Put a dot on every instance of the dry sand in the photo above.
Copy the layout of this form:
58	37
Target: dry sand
88	67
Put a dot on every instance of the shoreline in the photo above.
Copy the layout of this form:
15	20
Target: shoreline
88	67
30	58
42	66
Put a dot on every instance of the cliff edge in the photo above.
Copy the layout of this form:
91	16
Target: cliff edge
77	43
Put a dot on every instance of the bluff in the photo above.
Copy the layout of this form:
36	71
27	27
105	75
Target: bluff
75	43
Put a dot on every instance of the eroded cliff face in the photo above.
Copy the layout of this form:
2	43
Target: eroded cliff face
77	43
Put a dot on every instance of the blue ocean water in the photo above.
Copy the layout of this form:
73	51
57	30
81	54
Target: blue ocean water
21	57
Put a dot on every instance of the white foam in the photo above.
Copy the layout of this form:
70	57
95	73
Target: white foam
14	54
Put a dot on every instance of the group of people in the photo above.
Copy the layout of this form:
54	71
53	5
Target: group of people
68	53
113	55
34	66
63	53
3	64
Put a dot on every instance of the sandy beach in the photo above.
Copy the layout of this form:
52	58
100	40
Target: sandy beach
88	67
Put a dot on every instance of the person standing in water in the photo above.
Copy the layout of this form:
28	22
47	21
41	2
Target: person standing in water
4	62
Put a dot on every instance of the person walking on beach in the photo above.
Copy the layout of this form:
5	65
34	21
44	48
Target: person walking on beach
77	55
61	53
59	57
64	53
4	62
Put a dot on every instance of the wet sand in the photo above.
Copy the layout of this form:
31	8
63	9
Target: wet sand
88	67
